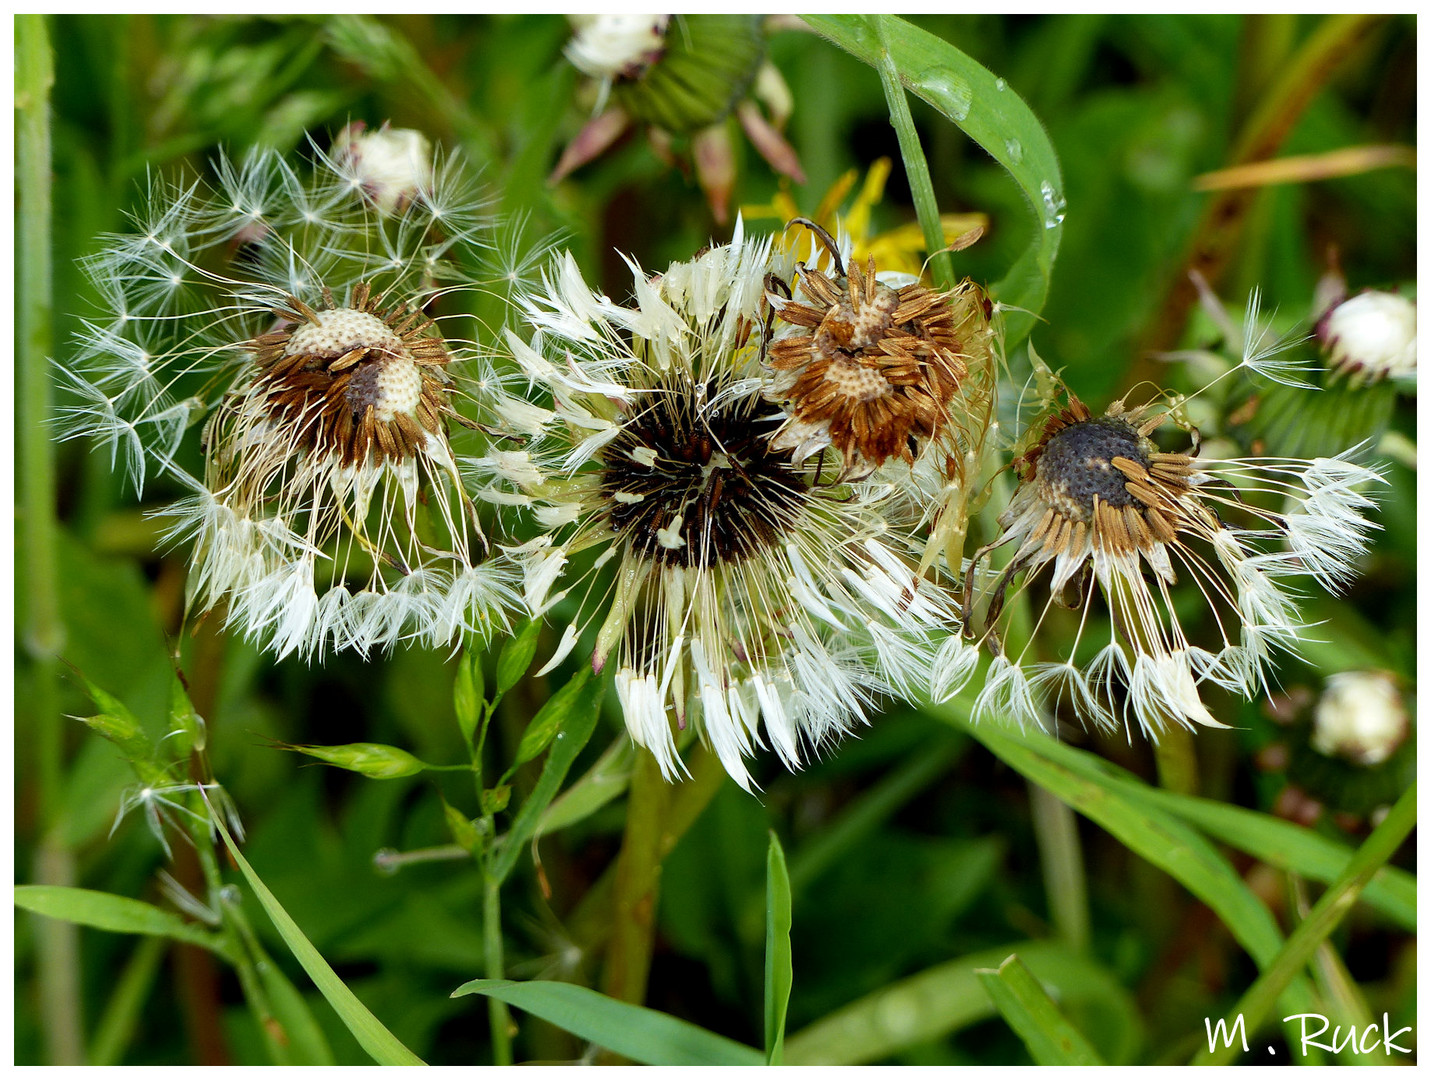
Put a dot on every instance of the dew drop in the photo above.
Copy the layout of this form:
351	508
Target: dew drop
999	84
1053	206
946	92
1015	149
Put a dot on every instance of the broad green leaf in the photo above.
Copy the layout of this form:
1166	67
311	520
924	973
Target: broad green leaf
105	911
634	1032
987	110
948	997
376	761
1025	1004
516	656
577	706
779	969
1159	838
372	1036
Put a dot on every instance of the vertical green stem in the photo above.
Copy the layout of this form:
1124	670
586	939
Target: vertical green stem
58	943
1061	857
1176	755
638	870
497	1014
916	169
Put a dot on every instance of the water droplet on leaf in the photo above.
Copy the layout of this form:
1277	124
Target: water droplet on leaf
946	91
1015	150
1053	206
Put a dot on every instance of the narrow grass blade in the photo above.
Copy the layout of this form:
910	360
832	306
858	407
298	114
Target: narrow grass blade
574	708
604	781
1025	1004
105	911
779	968
1161	839
1279	843
633	1031
1256	1005
125	1004
380	1043
949	997
987	110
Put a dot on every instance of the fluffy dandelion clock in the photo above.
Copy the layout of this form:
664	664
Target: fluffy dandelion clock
317	332
1101	510
756	598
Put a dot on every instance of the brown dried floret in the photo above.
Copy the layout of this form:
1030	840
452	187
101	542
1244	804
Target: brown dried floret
873	370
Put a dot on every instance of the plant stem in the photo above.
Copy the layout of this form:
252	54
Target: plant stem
1061	857
1176	756
497	1014
916	169
1256	1005
638	873
58	942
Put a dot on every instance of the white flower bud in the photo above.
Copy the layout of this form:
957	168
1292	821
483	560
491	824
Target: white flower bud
1371	337
612	46
392	165
1360	717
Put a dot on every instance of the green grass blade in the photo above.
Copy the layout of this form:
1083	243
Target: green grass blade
1257	1004
125	1004
604	781
306	1043
779	968
1392	891
1158	837
380	1043
574	708
633	1031
989	112
105	911
949	997
1025	1004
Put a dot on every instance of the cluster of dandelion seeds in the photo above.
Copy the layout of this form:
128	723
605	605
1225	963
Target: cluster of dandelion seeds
313	332
758	596
1103	510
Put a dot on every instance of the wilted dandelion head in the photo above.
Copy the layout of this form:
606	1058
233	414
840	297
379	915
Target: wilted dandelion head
872	368
322	338
1101	510
755	597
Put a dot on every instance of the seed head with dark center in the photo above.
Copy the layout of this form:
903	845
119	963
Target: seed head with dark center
690	486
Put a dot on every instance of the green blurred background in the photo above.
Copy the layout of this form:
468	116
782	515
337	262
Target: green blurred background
914	846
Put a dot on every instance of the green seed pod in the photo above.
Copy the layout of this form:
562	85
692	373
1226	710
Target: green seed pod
709	65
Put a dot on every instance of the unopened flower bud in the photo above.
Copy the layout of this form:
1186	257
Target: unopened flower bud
616	46
393	166
1360	718
1371	337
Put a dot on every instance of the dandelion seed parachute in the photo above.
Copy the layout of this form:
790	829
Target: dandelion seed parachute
1102	510
318	329
755	596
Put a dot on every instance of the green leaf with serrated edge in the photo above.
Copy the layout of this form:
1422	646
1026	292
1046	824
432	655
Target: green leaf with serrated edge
634	1032
577	703
380	1043
779	968
986	109
117	914
516	655
467	693
1158	837
377	761
1026	1006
